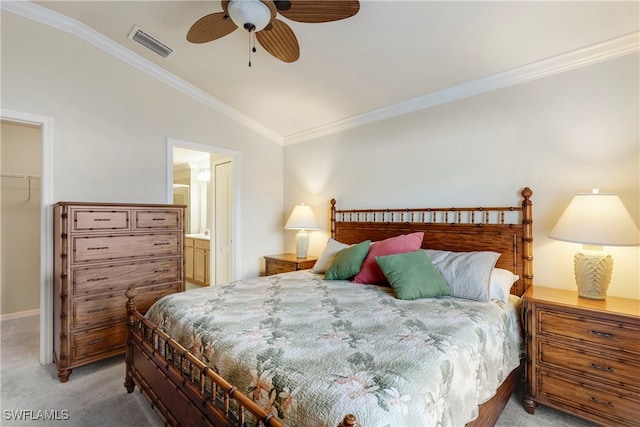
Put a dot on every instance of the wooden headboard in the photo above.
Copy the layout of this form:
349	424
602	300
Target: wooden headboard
507	230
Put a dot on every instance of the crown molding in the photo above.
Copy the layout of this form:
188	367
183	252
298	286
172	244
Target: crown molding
604	51
56	20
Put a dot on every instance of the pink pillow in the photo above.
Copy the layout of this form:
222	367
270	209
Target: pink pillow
370	271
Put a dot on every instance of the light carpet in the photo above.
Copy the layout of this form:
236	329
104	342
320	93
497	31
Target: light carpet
95	394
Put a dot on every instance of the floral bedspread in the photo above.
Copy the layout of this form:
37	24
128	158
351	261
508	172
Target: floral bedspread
311	351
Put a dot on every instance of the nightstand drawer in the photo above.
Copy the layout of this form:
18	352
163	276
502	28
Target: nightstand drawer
618	371
277	267
610	334
284	263
617	407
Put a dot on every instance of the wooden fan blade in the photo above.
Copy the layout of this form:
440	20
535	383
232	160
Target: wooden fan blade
211	27
278	39
314	11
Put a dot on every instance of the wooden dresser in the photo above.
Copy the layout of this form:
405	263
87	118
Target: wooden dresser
99	251
284	263
583	356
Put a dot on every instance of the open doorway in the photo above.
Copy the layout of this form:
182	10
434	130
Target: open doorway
20	211
203	178
45	125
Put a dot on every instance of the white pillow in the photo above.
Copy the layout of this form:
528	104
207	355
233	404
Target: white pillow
500	284
466	273
332	248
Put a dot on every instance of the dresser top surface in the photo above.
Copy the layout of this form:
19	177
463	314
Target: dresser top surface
131	205
624	306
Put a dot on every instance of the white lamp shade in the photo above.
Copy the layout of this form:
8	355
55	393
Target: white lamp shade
253	12
301	218
596	219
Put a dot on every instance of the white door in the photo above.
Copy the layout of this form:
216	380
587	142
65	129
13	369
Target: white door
223	221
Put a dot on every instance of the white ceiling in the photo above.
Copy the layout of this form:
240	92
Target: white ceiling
375	64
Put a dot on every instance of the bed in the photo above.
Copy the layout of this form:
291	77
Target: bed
296	349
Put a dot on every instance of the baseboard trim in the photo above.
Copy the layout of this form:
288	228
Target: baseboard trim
19	314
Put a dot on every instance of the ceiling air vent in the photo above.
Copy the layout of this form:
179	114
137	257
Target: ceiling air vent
150	42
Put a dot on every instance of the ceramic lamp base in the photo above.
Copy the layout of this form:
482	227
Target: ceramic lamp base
302	244
593	271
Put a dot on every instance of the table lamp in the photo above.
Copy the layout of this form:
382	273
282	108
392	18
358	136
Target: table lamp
595	220
302	219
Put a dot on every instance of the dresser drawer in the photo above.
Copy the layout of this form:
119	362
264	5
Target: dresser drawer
586	396
111	308
118	277
97	219
617	371
91	343
97	310
153	219
148	296
97	248
609	334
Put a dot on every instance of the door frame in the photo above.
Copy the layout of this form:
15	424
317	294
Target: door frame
235	158
46	225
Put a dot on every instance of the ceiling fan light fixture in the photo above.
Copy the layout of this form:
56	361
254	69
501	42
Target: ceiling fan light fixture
252	15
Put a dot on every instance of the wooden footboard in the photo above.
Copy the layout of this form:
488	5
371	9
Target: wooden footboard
180	387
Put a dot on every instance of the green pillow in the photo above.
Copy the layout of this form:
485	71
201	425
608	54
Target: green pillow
413	276
348	262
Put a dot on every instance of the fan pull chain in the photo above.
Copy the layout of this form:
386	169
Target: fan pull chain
250	49
252	44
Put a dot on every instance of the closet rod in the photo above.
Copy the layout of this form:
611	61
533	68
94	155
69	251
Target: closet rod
28	178
15	175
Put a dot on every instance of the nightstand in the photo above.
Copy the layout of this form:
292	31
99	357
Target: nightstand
583	356
284	263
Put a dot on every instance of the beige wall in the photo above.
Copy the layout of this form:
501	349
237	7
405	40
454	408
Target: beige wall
559	135
111	128
20	154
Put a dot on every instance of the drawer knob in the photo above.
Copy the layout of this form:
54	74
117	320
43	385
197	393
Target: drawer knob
98	341
102	219
601	334
158	219
601	368
99	248
162	244
161	271
601	402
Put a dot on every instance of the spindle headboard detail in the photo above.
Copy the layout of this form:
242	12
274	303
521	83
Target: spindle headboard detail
507	230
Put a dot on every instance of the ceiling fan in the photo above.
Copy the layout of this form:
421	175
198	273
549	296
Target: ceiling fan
259	17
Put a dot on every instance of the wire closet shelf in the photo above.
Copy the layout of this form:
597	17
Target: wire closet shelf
30	180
